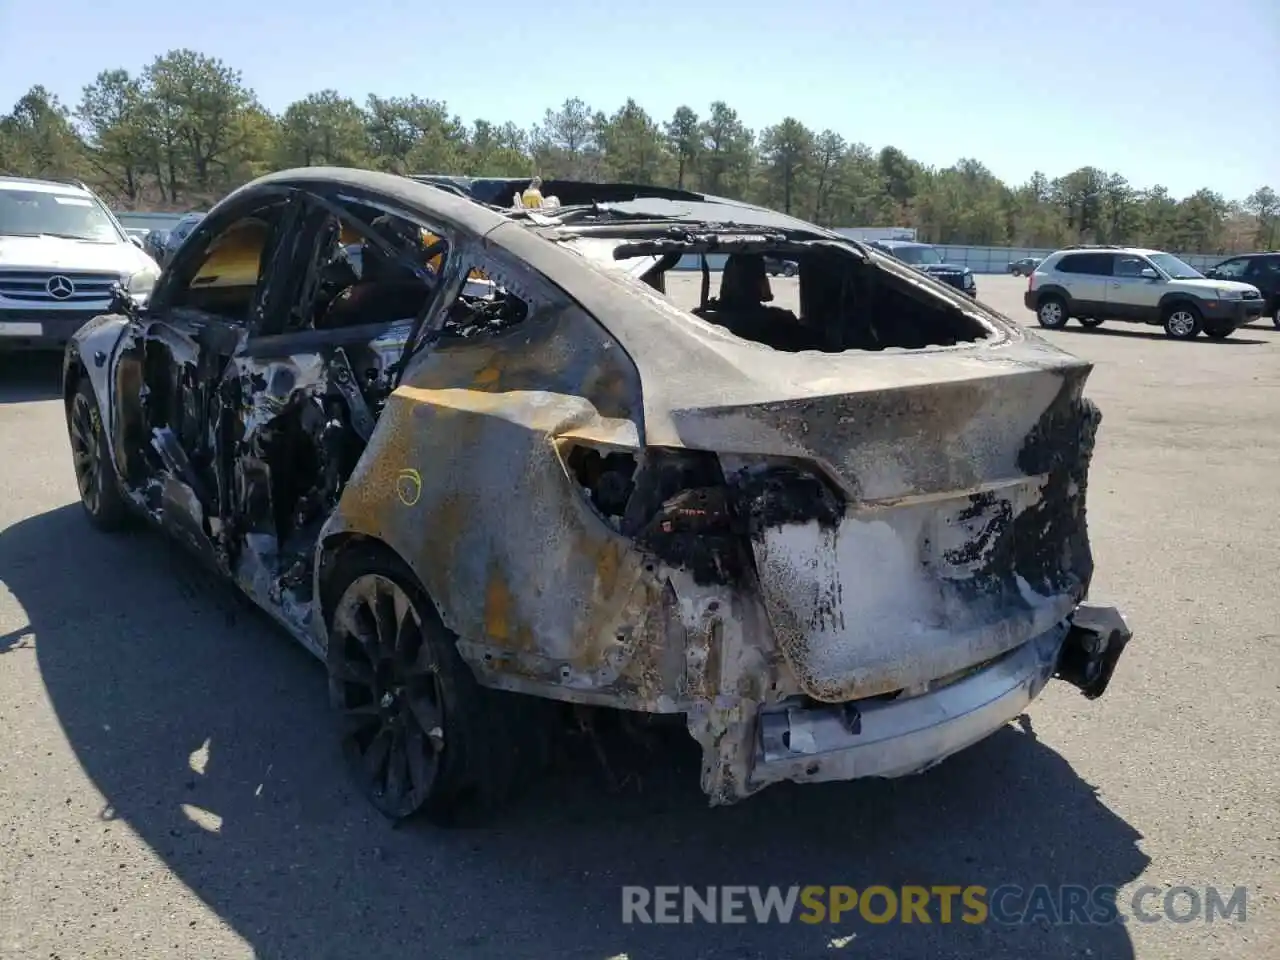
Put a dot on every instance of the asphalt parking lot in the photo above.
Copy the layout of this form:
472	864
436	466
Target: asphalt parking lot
171	788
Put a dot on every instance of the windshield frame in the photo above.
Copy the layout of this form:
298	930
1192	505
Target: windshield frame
76	198
1164	261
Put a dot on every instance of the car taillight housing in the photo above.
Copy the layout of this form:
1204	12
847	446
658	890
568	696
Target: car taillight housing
693	508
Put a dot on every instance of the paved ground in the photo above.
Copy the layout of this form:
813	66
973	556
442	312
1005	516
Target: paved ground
170	787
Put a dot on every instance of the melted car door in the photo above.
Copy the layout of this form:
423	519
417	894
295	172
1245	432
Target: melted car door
315	374
211	294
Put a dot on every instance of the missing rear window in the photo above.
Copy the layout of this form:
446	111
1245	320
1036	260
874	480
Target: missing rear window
839	303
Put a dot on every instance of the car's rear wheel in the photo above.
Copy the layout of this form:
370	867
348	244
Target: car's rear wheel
1182	322
1090	322
1051	313
419	733
96	478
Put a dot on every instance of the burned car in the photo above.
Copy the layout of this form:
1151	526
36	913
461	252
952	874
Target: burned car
841	541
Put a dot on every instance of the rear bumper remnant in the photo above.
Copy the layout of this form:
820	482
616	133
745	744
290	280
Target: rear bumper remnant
805	741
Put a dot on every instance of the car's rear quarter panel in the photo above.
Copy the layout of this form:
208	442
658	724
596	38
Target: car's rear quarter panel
463	481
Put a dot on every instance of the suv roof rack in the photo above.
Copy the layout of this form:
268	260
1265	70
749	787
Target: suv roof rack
67	180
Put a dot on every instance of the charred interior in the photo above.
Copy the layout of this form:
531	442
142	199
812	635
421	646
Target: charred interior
845	302
685	509
243	446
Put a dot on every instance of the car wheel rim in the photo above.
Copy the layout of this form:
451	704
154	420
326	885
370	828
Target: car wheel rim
85	453
1051	314
388	684
1182	323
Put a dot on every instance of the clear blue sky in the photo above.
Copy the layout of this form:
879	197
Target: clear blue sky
1184	93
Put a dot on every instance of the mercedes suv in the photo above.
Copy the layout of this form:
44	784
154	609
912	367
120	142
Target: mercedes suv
61	252
1097	283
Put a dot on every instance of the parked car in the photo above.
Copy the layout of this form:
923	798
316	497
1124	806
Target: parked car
779	265
1024	267
926	259
181	230
61	251
833	545
1261	270
1099	283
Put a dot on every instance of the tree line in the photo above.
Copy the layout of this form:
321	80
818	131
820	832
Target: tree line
187	129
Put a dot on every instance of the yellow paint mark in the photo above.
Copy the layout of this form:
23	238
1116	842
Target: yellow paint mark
409	486
487	376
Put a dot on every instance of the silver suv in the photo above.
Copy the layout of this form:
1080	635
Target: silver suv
1097	283
61	251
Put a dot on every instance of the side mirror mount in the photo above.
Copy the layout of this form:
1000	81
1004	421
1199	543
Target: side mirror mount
122	302
1149	274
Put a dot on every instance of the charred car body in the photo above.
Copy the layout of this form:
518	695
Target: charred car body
843	543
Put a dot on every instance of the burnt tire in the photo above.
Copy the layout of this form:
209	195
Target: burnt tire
1090	322
1182	321
1051	312
1218	333
419	734
104	505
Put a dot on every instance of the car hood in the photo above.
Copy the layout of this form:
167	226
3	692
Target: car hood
1209	284
56	253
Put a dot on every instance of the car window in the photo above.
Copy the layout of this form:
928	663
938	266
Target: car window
1231	269
917	255
1175	267
1264	269
75	216
1093	264
360	265
1129	265
484	306
222	276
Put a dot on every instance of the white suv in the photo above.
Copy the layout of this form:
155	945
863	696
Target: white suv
1097	283
61	251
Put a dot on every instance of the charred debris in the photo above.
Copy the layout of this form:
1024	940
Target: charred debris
245	453
682	506
847	300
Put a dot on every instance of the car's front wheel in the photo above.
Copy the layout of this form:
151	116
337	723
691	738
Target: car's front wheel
1182	322
419	733
1052	313
96	479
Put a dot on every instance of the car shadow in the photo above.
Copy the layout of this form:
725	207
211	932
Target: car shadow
29	376
208	732
1232	341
